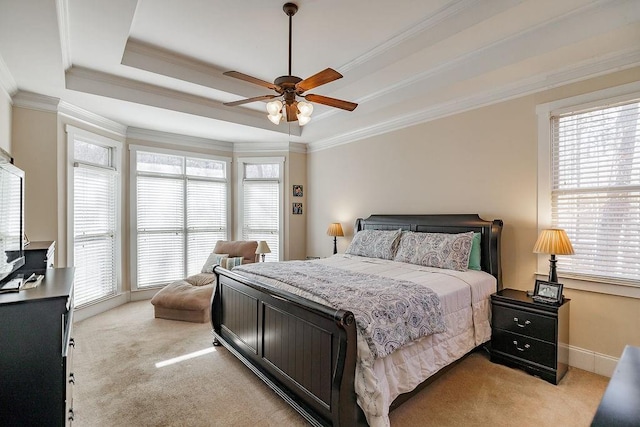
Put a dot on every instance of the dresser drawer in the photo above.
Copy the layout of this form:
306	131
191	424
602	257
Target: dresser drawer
525	323
523	347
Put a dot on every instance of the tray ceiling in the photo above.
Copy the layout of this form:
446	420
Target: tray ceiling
158	64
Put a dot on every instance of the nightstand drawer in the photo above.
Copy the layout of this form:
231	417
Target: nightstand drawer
525	323
530	349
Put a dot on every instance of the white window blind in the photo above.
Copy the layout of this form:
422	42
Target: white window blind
181	212
261	206
95	229
595	197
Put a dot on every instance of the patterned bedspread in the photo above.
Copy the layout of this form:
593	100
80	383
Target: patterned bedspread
389	313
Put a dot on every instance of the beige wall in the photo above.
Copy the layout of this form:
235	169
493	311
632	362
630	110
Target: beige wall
5	121
34	148
483	161
295	172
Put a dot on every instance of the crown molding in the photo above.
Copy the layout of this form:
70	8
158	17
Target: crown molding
62	10
7	82
92	119
502	52
617	61
177	139
36	101
269	147
416	30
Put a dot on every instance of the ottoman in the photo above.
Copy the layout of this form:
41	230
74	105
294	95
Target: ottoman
188	300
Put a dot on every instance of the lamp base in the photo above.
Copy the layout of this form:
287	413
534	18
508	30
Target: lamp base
335	245
553	274
262	256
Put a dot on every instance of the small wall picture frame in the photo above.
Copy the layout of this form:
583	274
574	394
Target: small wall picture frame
296	209
297	191
548	292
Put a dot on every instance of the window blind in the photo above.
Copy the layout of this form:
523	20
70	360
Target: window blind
261	214
160	236
181	211
94	216
596	190
206	220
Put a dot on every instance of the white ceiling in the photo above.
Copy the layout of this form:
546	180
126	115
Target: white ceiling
157	64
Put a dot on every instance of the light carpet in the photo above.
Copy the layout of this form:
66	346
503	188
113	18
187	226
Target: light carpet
127	374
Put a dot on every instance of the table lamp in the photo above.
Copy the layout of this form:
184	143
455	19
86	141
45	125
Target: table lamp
335	230
263	249
553	241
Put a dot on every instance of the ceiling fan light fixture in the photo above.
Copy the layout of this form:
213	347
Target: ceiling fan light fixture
275	118
303	120
305	108
274	107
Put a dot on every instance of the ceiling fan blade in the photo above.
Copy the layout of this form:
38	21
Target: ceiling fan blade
318	79
331	102
254	80
292	112
248	100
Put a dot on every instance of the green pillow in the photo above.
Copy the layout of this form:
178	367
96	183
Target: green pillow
474	256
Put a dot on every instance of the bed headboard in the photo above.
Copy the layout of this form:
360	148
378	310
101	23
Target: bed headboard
451	223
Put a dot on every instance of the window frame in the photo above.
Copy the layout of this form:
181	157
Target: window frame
116	163
133	222
544	112
242	161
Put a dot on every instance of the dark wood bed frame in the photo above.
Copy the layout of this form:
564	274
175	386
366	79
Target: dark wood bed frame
305	351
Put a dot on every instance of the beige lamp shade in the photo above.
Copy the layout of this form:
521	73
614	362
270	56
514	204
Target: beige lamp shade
263	248
553	241
335	229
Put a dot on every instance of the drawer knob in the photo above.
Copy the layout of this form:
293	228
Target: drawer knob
526	346
522	325
71	415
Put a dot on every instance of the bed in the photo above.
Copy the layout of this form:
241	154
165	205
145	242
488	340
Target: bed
311	353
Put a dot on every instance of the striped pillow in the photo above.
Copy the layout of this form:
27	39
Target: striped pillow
231	262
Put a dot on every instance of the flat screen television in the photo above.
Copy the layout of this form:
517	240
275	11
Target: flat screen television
11	219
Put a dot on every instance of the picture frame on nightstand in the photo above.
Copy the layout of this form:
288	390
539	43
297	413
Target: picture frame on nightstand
547	292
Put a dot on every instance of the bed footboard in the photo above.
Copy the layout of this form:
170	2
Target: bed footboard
304	351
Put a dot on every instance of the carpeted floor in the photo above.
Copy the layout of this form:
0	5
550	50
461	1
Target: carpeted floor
118	383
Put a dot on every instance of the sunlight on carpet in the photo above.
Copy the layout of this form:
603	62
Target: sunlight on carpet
185	357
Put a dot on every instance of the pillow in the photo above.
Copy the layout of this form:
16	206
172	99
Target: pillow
235	261
200	279
409	242
440	250
213	260
375	243
474	256
244	248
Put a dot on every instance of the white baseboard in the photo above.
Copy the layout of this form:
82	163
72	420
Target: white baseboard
100	307
140	295
591	361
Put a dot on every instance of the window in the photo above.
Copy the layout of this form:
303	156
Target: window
94	207
261	202
595	188
181	211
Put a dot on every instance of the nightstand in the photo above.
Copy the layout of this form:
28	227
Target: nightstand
529	335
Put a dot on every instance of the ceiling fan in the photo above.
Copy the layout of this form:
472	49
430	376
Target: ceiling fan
290	87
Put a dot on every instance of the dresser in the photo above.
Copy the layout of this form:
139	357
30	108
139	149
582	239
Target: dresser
529	335
36	353
38	256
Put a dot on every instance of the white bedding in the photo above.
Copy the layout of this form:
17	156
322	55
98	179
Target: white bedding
464	298
465	301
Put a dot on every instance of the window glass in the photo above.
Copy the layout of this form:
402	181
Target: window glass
91	153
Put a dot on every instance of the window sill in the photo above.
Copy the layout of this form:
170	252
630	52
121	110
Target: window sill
621	290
